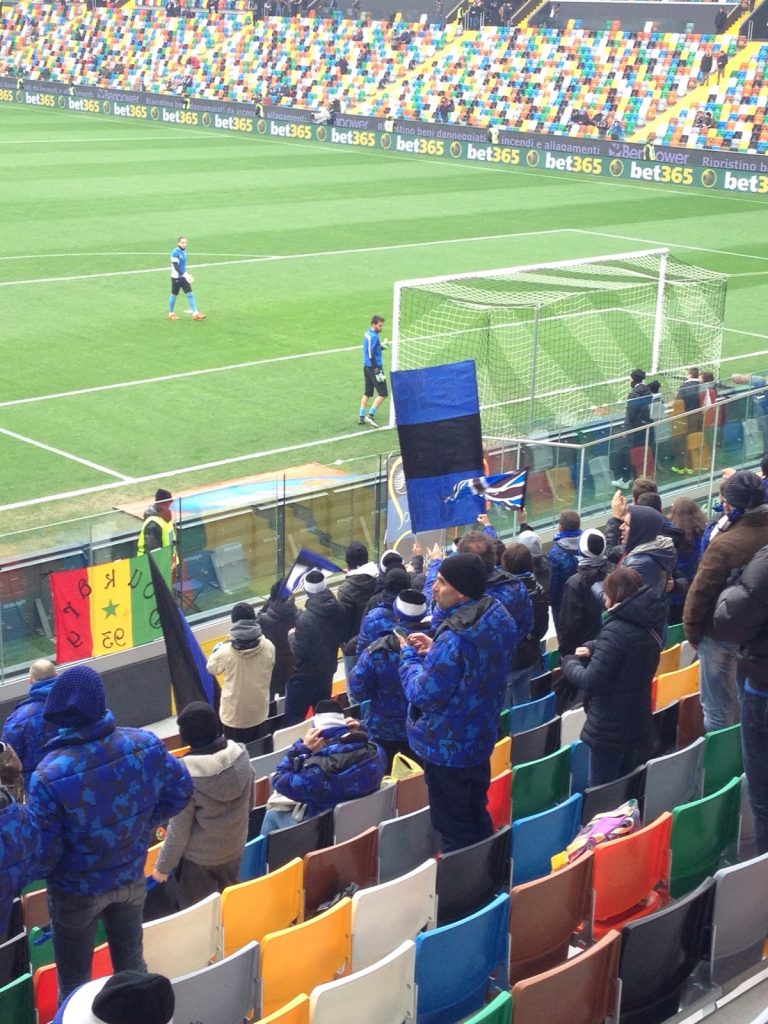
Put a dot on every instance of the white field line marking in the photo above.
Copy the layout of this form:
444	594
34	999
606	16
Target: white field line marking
395	247
99	139
65	455
674	245
166	474
81	255
174	376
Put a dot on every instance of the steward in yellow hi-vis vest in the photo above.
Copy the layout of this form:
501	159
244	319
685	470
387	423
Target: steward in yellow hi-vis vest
157	530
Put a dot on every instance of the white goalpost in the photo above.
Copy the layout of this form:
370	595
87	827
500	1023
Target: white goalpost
552	340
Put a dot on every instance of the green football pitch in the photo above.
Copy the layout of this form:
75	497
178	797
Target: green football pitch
293	247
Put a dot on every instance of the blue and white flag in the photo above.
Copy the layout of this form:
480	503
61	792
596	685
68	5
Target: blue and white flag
306	560
507	489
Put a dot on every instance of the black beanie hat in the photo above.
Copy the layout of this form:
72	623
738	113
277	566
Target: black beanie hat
162	495
132	996
243	610
637	376
466	572
744	490
76	698
198	725
396	579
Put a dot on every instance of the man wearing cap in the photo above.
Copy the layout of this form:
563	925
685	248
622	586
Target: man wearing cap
244	664
740	532
128	997
205	841
376	677
335	761
25	729
96	796
455	687
315	645
157	529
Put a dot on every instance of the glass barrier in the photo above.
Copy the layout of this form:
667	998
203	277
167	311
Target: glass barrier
231	550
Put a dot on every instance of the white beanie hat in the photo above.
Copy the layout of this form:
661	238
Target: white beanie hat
314	582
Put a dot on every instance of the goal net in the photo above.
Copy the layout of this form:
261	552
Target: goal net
553	341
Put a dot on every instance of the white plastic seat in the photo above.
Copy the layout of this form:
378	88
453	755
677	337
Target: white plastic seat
384	993
283	738
184	942
388	914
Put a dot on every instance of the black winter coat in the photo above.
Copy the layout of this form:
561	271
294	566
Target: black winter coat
354	594
276	618
315	643
741	616
528	652
581	610
616	680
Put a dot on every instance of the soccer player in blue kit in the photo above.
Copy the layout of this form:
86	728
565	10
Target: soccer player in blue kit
181	280
373	372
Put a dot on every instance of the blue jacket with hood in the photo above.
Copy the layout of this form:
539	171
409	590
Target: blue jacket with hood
27	731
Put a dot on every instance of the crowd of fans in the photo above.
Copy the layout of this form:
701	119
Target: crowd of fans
551	78
435	649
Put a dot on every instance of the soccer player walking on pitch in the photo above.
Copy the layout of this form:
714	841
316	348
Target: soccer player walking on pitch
373	372
181	280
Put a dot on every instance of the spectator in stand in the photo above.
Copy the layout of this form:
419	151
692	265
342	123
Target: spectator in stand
721	20
204	842
689	519
455	686
96	795
128	997
563	557
705	67
582	607
276	618
245	663
505	587
739	533
741	617
19	849
518	561
25	729
722	63
759	402
380	618
334	762
376	677
532	540
612	529
354	594
615	672
637	414
711	416
315	645
703	119
652	555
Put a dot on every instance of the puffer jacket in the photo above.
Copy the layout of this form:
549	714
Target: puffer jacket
19	855
376	622
456	691
315	644
563	558
27	731
353	595
728	550
213	827
581	610
616	679
741	616
96	795
276	618
510	592
244	664
528	651
348	767
376	678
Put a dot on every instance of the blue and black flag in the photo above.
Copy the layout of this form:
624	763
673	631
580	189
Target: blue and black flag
438	423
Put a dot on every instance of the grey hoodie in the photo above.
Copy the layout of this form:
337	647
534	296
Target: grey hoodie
213	827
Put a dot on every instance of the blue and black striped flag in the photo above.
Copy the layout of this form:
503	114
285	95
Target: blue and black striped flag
438	424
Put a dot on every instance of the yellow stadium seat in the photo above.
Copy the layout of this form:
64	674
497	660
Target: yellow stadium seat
296	959
674	685
501	756
252	909
669	660
149	863
295	1012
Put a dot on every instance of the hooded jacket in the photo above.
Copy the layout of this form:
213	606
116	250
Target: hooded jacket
27	731
358	588
729	549
563	561
581	610
512	593
652	555
315	644
19	855
349	766
528	653
213	827
376	678
616	679
244	664
456	691
96	795
276	618
376	622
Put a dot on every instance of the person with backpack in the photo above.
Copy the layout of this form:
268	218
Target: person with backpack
518	561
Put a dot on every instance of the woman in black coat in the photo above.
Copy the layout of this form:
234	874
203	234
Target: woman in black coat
615	672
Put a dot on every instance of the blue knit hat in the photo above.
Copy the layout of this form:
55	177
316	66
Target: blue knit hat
76	698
